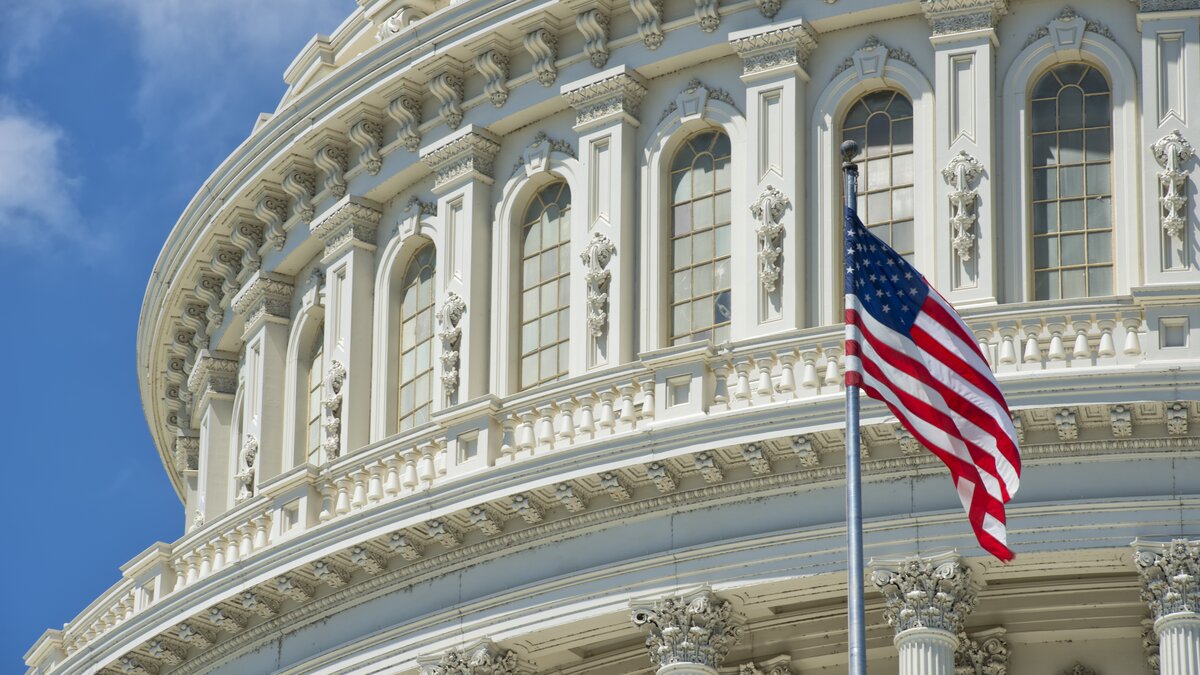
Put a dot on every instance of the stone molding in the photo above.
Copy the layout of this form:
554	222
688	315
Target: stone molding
615	94
469	154
697	627
782	47
925	592
960	16
264	294
353	220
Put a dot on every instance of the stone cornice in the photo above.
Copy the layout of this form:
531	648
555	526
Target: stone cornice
352	221
780	48
264	295
466	155
962	16
1167	5
610	96
212	375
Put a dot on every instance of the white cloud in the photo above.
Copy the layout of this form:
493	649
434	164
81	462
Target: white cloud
37	196
23	28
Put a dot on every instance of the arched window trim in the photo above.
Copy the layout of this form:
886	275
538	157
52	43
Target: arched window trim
404	378
538	172
1108	57
547	196
825	181
306	329
665	140
416	230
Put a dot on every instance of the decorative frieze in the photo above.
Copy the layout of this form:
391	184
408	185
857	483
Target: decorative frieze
368	560
768	210
194	634
449	318
528	509
1121	421
405	109
1167	5
484	518
258	604
330	573
1066	424
805	452
649	15
595	257
779	665
708	466
353	220
694	98
536	156
961	174
186	453
570	497
290	586
1170	573
335	381
870	60
593	25
615	93
960	16
483	657
226	619
694	628
212	375
444	533
470	154
925	592
616	486
1172	152
1067	30
908	443
1177	419
786	45
769	8
264	294
662	476
493	65
756	457
405	545
542	45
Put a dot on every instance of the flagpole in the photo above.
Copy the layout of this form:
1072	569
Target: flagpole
854	546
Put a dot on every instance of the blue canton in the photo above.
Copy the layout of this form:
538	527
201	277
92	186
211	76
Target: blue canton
888	288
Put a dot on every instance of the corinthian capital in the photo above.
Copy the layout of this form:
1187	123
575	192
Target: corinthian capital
353	221
1169	572
613	95
694	628
782	47
961	16
482	657
466	155
925	592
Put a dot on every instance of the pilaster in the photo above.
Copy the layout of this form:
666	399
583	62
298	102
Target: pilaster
264	304
774	61
203	459
348	232
690	633
964	41
1170	212
606	108
1170	573
463	166
927	600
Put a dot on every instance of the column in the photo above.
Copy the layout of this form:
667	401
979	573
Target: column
1170	585
264	303
606	108
348	231
482	657
463	176
774	59
967	241
213	383
1170	50
691	633
927	600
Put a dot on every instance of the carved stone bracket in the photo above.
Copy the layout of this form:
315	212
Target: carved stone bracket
247	466
335	380
593	25
482	657
333	159
449	318
1171	152
708	15
768	209
616	93
961	174
696	628
784	46
596	256
649	15
542	45
447	86
1170	573
366	133
272	210
769	8
405	109
934	592
492	63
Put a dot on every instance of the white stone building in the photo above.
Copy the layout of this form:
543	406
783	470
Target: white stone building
448	364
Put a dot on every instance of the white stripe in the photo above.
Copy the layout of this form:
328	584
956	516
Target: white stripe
935	435
995	528
986	404
954	345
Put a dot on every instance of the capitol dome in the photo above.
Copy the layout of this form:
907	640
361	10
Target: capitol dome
511	342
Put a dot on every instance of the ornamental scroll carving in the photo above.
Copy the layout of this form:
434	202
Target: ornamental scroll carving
985	654
649	17
596	256
1170	573
247	468
768	209
593	25
334	383
481	658
931	592
961	175
696	628
449	319
1171	152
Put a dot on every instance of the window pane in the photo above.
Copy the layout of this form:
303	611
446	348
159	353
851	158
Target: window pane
682	219
902	171
702	277
1045	252
1100	281
1070	147
1097	179
1045	183
1099	245
1071	249
1070	108
1096	110
1074	283
1045	115
546	294
1099	214
902	203
683	252
1070	181
1071	215
1045	217
1044	150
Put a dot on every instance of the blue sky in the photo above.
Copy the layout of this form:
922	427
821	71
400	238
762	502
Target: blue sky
112	114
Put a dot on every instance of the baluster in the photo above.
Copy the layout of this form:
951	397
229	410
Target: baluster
262	527
391	485
205	561
832	374
328	495
247	543
628	413
721	382
526	438
426	472
1056	351
545	426
741	391
181	571
359	499
566	421
439	458
765	386
787	373
375	482
587	419
218	559
648	399
1133	345
1081	350
408	479
1107	348
342	506
231	547
608	416
1033	349
809	379
982	337
1008	347
508	438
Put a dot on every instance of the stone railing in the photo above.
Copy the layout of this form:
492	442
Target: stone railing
665	391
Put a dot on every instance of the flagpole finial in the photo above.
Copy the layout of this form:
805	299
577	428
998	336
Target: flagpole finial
849	152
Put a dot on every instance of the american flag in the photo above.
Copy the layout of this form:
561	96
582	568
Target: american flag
907	347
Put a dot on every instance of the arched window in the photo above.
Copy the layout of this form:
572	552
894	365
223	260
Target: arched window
312	419
545	286
1071	126
416	340
881	122
700	224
